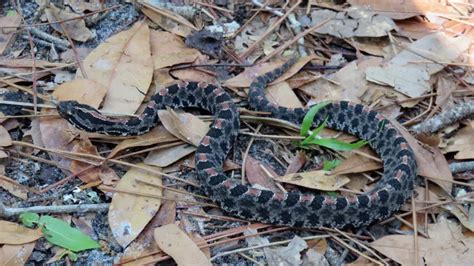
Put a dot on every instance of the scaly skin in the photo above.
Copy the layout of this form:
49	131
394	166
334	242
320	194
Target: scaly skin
289	209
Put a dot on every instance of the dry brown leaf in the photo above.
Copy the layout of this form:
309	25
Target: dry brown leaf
169	21
352	22
168	50
401	9
75	28
445	86
138	252
172	240
12	255
415	28
13	188
256	175
319	180
80	6
196	75
84	91
54	135
357	164
166	156
447	246
296	163
85	146
410	70
319	245
371	46
158	135
130	213
184	126
430	162
462	143
122	64
286	255
282	95
460	212
349	83
7	34
57	133
5	139
28	63
15	234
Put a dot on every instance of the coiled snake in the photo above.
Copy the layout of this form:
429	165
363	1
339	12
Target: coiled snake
292	208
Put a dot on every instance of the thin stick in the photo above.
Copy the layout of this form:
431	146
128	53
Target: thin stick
292	41
247	150
357	242
76	208
264	245
149	195
340	241
103	160
254	45
66	20
171	189
13	182
415	235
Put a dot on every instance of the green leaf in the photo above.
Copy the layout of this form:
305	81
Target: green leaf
314	134
29	218
309	117
329	165
338	145
72	256
11	13
62	234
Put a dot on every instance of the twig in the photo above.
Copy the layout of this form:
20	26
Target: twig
247	150
170	16
154	196
267	8
414	119
66	20
461	167
254	45
76	54
340	241
27	104
214	7
103	160
271	136
48	37
265	245
415	228
21	88
292	41
357	242
13	182
44	43
6	212
445	118
33	57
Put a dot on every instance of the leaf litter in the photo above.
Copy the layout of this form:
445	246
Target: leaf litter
397	58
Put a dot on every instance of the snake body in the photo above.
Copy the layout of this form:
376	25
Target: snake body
296	209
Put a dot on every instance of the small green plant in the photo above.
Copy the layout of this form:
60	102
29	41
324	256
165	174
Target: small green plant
329	165
313	137
60	233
